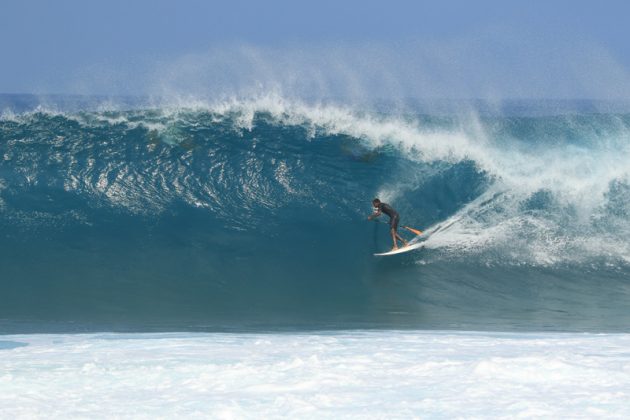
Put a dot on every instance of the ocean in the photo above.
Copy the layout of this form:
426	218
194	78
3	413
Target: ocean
235	234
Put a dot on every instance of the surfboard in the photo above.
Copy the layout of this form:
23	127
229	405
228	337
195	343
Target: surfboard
401	249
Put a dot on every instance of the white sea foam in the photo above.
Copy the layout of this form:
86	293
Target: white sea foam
384	374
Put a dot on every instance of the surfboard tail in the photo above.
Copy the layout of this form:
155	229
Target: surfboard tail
401	250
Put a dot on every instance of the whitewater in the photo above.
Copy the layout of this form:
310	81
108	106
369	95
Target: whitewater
387	374
213	258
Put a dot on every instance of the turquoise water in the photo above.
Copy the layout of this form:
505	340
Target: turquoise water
251	215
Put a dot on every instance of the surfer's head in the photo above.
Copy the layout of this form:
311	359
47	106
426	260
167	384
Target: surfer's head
376	202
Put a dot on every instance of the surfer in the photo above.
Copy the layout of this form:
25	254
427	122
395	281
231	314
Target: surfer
394	218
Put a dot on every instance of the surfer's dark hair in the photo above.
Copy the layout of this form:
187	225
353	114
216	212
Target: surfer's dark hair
377	201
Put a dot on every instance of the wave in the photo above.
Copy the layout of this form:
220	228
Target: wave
564	176
271	191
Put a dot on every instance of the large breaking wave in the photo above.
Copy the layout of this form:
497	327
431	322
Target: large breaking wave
253	212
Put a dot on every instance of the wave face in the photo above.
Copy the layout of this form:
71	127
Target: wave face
252	214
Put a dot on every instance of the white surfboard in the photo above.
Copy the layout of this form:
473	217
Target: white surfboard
402	249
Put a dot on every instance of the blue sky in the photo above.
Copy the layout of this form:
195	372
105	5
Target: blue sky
446	48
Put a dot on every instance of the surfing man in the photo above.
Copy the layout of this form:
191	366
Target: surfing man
394	218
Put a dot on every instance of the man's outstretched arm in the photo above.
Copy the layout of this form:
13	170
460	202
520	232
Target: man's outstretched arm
375	214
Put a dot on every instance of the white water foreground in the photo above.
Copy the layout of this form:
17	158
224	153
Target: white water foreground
349	374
